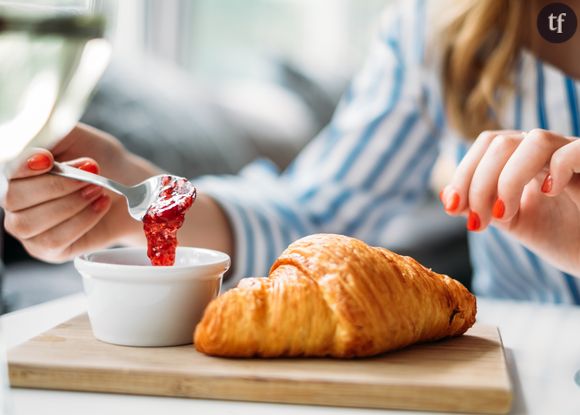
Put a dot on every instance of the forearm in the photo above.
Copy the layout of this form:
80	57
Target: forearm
134	169
205	226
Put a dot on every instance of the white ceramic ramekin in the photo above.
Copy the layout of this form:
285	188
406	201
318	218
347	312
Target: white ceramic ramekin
132	303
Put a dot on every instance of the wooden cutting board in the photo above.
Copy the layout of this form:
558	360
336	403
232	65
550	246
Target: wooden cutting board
464	374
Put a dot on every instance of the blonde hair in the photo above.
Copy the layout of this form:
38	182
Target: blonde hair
481	42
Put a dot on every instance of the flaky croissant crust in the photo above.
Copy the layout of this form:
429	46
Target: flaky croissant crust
332	295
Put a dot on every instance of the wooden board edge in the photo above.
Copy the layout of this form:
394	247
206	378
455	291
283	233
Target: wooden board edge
407	397
506	370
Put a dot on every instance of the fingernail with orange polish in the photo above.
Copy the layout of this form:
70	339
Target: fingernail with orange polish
90	192
473	221
547	185
39	162
100	204
452	202
498	209
441	196
89	167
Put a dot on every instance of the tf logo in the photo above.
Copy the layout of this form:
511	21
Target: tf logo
557	22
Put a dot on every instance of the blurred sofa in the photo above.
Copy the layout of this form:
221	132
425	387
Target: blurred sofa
192	128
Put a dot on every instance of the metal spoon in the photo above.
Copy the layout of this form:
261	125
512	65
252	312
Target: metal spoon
139	197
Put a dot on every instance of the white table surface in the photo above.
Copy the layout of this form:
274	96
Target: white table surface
542	346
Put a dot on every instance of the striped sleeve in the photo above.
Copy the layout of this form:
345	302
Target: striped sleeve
370	163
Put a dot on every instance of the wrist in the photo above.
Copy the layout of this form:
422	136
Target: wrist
207	226
142	169
131	169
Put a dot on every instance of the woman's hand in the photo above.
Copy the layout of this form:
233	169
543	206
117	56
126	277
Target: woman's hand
56	218
527	184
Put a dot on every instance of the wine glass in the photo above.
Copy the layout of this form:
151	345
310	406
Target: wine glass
50	60
52	53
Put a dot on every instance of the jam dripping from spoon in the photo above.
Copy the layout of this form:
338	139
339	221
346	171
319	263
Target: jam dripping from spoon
164	218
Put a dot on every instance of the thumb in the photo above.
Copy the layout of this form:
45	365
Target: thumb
34	162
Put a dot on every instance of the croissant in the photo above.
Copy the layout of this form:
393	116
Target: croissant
332	295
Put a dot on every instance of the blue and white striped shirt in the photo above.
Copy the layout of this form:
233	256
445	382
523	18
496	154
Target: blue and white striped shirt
374	161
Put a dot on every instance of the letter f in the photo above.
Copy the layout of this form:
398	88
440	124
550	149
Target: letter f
560	21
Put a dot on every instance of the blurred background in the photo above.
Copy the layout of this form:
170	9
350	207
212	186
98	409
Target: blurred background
271	70
207	86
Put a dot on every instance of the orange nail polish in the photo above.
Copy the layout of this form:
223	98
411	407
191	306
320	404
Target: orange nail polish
452	202
100	204
547	185
498	209
441	196
90	192
39	162
89	167
473	221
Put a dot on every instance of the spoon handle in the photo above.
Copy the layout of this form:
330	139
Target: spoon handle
64	170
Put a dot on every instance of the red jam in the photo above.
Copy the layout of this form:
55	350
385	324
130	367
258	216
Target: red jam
164	217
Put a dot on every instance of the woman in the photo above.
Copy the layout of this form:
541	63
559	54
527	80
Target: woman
485	68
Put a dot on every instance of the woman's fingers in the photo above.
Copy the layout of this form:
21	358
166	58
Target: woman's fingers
56	244
455	196
564	168
38	162
482	190
490	181
49	213
529	159
28	223
26	192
